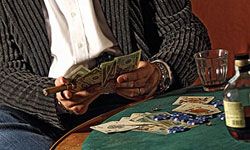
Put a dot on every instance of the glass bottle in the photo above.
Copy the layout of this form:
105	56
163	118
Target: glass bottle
237	100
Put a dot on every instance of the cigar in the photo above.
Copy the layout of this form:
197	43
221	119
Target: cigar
55	89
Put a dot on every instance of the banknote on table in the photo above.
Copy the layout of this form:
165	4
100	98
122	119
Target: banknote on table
138	116
128	121
153	128
197	109
140	122
133	122
158	127
193	99
167	122
113	126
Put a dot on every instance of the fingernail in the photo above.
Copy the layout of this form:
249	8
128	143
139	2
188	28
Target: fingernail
122	79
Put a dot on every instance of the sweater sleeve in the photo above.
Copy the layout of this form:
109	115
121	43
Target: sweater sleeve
20	87
183	35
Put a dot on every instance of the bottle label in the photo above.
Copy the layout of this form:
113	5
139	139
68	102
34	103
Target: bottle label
234	114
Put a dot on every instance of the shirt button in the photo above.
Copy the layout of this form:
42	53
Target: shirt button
73	14
80	45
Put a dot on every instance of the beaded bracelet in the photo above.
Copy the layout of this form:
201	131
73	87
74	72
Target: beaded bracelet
166	76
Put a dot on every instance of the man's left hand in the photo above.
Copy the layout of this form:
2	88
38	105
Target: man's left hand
139	84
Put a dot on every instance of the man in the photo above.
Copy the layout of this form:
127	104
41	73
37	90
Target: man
41	38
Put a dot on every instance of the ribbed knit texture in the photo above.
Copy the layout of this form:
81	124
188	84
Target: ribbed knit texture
25	55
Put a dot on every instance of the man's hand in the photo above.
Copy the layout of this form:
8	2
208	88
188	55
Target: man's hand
139	84
77	102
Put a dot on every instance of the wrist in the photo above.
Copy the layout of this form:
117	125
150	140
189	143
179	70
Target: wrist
165	78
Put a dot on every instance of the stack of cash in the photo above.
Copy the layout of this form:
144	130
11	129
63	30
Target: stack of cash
82	78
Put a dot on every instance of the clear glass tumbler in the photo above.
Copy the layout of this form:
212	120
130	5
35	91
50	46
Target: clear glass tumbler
212	68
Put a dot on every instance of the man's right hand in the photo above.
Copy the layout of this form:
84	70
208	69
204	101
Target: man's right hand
77	102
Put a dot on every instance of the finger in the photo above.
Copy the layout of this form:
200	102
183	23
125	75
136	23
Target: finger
94	88
143	71
68	104
147	90
64	95
81	108
125	94
80	97
129	93
61	81
132	84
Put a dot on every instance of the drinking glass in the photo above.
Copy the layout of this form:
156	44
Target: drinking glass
212	68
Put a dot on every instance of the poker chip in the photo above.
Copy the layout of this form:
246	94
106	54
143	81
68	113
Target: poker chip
160	117
180	117
221	116
190	120
217	103
177	129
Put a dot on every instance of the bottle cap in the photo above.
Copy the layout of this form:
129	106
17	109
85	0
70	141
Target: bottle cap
242	59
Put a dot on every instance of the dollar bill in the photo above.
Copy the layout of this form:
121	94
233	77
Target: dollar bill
108	71
113	126
127	63
77	72
83	78
142	122
93	77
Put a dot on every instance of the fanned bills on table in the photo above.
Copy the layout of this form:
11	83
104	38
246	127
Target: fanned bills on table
160	126
193	99
113	126
143	122
153	128
128	121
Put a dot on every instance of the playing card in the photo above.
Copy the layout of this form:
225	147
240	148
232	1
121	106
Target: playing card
193	99
113	126
197	109
127	121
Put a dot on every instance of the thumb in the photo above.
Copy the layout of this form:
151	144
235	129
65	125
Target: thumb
61	81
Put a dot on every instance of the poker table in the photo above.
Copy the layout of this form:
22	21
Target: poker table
212	137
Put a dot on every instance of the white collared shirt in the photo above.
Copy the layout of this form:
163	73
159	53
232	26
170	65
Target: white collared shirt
78	33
